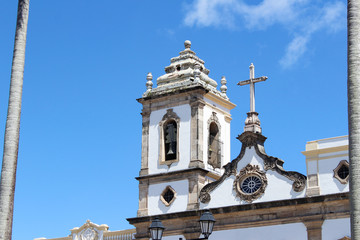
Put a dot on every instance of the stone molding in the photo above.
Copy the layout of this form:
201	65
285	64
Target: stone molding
256	140
298	210
219	100
173	176
315	152
167	204
227	119
250	170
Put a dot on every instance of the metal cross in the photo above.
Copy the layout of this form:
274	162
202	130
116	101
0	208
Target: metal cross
252	82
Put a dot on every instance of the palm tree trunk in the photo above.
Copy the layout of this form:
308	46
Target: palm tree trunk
354	113
12	129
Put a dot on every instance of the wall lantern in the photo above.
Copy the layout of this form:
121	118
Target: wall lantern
156	229
206	221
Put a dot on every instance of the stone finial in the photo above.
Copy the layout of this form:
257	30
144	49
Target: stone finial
149	84
252	71
223	87
187	44
197	72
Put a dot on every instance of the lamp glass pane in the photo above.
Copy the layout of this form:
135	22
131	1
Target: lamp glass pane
211	225
156	233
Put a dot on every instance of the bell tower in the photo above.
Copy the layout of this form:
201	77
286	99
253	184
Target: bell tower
185	135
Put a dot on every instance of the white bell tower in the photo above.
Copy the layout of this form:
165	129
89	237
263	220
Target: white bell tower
185	135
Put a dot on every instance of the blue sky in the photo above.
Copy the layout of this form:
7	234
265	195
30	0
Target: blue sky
87	61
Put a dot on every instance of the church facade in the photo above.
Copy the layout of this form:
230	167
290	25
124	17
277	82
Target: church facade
186	168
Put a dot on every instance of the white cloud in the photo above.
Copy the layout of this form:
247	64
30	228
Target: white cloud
294	50
210	13
302	18
269	12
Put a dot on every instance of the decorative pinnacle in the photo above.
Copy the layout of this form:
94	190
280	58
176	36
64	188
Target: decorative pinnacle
252	71
149	83
187	44
223	87
197	72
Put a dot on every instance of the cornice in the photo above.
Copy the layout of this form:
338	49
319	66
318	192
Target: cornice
166	174
184	91
325	150
220	100
295	202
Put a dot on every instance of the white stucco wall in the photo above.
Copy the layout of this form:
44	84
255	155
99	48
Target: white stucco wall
184	113
294	231
333	142
156	206
175	237
224	137
334	229
328	184
278	188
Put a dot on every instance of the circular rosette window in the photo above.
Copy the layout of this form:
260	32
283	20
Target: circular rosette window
250	184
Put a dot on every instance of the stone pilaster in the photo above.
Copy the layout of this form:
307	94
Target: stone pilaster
145	143
196	135
313	188
196	182
313	228
143	198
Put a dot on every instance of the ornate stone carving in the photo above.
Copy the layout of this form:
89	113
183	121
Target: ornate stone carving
89	234
204	196
185	71
170	115
252	122
215	119
250	139
89	231
250	184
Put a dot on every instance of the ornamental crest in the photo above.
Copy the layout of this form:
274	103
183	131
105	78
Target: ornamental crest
250	184
89	234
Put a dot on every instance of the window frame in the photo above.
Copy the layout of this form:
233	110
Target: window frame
214	119
168	117
167	188
336	171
